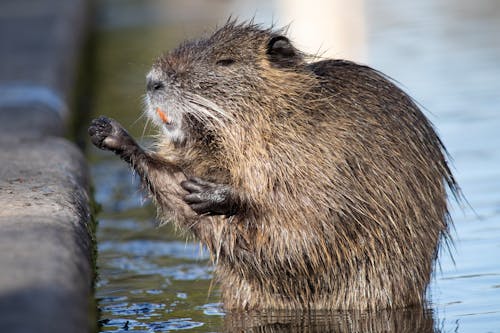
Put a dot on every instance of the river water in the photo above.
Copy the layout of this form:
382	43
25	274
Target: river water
446	54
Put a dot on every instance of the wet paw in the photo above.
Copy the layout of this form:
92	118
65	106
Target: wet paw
209	198
106	133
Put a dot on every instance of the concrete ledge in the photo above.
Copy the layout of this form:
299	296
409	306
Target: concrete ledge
45	238
46	241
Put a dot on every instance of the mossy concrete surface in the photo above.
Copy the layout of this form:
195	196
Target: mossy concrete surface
46	266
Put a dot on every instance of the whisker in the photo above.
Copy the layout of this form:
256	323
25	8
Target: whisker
144	108
148	121
208	105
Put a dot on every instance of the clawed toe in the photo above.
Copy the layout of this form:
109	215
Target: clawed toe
208	198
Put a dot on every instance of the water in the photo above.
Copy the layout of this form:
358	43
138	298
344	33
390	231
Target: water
446	55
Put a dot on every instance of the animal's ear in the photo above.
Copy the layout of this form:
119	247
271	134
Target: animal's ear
281	51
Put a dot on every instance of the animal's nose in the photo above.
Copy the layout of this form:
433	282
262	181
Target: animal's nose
153	85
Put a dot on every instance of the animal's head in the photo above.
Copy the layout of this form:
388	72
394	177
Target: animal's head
206	83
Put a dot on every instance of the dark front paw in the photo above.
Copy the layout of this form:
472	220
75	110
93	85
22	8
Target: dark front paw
209	198
106	133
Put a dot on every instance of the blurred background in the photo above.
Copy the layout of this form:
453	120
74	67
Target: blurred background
443	53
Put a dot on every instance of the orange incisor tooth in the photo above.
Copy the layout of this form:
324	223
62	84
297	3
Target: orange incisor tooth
162	115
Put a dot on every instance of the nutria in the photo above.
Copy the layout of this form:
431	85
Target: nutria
314	185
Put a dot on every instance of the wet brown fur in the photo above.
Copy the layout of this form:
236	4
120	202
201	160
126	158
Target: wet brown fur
342	179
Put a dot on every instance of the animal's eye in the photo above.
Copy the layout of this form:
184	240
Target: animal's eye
225	62
154	85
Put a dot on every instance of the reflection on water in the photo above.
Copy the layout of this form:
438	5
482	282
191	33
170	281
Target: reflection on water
403	321
444	53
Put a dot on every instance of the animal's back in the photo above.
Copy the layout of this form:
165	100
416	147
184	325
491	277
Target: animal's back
388	199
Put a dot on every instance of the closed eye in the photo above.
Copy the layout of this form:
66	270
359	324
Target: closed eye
225	62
